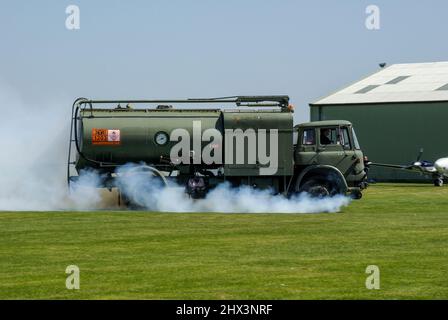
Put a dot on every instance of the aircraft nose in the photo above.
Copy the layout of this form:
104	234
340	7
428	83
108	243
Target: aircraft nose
441	165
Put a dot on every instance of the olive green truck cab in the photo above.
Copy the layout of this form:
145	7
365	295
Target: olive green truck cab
328	159
254	145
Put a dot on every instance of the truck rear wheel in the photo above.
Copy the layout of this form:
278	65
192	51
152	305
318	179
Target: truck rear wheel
140	186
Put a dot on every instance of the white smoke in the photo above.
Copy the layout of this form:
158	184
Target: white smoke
33	163
147	192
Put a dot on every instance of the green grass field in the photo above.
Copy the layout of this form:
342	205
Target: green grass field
403	229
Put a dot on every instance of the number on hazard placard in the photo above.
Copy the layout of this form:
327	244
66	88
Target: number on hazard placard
106	136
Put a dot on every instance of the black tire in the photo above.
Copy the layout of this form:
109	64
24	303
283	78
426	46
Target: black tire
315	189
438	182
357	194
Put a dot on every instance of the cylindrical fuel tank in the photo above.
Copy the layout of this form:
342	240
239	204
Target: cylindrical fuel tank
136	135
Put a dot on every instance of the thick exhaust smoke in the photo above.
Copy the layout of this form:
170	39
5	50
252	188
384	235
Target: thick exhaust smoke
149	193
34	144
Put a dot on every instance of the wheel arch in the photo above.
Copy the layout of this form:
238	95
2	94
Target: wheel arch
333	174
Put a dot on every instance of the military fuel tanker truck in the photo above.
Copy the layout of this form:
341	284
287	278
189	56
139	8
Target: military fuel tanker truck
242	140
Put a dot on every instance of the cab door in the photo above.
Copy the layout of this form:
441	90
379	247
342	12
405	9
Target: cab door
351	158
357	172
333	149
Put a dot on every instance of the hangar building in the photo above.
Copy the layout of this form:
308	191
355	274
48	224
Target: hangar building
395	112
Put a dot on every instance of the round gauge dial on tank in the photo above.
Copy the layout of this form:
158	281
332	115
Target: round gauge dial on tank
161	138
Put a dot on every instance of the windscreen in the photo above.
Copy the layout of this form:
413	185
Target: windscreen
355	140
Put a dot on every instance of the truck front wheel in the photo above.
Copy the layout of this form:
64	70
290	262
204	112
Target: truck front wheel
315	189
356	194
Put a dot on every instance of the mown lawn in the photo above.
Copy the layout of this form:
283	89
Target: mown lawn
403	229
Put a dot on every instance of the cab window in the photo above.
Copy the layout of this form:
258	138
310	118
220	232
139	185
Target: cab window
328	136
308	137
355	140
345	138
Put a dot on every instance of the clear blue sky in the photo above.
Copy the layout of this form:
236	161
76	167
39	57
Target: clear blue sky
144	49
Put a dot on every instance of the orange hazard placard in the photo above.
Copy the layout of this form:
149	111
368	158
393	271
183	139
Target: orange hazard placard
106	136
